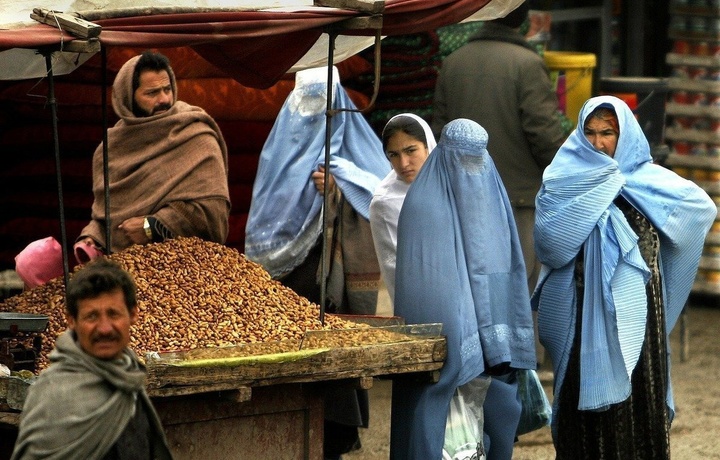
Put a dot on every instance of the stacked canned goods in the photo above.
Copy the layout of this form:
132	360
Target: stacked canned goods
693	114
693	108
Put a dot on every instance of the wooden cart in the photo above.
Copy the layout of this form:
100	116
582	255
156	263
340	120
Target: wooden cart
264	406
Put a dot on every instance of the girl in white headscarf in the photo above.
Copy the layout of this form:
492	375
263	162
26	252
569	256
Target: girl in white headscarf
407	141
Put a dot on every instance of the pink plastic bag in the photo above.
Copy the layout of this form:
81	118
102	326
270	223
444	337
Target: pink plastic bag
39	262
84	252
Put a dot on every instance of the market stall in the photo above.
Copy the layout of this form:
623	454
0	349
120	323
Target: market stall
247	403
244	57
234	358
266	406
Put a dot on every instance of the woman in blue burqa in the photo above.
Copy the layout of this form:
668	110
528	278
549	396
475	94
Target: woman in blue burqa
459	263
284	232
620	240
285	222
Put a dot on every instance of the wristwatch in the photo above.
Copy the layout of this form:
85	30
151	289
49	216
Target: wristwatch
148	230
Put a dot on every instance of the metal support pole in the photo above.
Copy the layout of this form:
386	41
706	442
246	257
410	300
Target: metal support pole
325	263
106	171
52	102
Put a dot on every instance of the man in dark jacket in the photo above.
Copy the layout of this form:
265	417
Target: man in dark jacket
499	81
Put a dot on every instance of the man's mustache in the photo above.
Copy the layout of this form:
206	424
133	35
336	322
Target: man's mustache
161	107
105	338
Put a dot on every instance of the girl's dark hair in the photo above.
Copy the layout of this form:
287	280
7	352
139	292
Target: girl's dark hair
99	277
408	125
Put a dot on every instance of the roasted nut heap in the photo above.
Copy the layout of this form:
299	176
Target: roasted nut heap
191	294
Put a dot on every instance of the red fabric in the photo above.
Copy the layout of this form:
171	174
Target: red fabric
78	139
403	17
76	175
74	102
245	134
236	235
34	36
242	167
255	47
45	203
241	196
226	99
221	97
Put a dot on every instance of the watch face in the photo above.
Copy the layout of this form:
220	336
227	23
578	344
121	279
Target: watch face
146	227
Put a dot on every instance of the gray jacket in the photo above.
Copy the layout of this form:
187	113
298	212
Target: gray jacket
502	83
79	407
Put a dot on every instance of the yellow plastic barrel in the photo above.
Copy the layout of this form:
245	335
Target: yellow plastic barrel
572	74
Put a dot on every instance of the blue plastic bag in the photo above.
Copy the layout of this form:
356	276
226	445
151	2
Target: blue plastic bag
536	409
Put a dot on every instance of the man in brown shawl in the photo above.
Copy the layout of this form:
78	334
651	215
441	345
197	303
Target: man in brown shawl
167	163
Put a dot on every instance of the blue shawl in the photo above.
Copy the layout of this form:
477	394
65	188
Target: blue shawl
459	263
284	219
575	208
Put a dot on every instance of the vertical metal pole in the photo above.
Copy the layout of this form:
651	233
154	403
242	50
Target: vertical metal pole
61	200
325	263
635	38
106	171
605	61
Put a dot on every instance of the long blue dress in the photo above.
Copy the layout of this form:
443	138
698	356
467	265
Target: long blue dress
459	263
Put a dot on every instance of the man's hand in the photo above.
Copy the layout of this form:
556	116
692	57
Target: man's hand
318	177
133	229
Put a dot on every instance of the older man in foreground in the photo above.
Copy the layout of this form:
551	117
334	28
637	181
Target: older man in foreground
91	402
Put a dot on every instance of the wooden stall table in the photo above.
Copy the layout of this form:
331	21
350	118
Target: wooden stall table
231	404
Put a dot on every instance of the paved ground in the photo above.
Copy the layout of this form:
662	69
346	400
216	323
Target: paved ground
696	382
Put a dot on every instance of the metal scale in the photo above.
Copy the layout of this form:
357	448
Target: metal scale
21	340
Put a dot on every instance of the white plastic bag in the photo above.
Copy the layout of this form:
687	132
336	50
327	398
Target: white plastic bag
464	426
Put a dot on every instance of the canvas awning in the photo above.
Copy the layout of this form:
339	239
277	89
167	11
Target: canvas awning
254	46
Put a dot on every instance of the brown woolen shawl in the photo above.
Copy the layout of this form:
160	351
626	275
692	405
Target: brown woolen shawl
173	166
354	273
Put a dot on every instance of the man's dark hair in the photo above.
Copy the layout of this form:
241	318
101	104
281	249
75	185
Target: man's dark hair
99	277
408	125
149	60
516	17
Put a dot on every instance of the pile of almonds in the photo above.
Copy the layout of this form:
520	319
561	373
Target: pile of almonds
192	294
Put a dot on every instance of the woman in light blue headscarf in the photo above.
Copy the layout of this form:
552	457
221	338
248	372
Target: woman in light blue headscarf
459	263
620	240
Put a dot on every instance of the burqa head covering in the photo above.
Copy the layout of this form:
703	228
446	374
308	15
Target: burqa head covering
284	219
459	263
